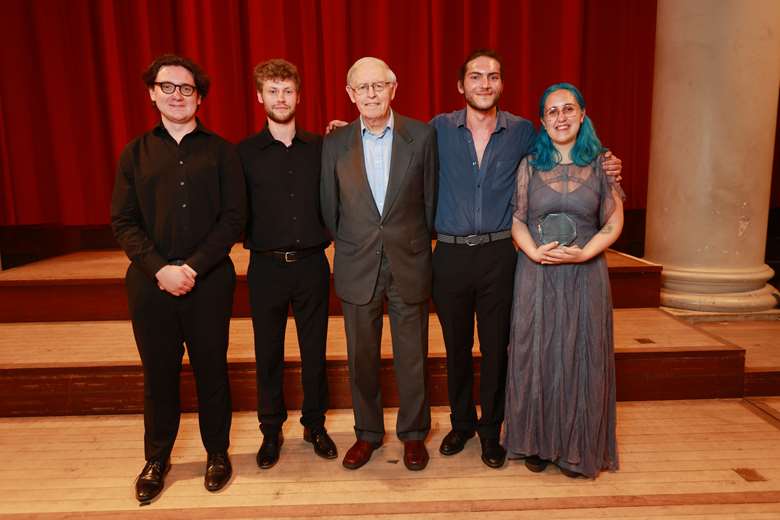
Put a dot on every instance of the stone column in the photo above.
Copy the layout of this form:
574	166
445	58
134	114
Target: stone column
715	95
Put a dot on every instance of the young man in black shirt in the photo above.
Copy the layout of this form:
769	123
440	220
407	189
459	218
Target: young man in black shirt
288	266
177	208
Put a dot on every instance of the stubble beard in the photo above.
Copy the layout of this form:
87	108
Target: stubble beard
273	116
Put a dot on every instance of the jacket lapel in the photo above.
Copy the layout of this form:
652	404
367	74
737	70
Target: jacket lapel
357	165
400	158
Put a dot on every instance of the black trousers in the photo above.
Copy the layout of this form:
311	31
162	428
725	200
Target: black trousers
162	324
469	281
274	285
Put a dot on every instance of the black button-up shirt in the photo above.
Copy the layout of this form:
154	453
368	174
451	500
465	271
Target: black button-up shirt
283	187
182	201
477	198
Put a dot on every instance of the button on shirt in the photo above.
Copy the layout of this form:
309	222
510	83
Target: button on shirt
283	186
376	154
178	201
476	198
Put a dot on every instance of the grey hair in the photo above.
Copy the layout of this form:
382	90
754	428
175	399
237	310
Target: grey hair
370	59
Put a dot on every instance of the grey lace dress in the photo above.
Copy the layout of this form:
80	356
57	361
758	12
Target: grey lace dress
560	393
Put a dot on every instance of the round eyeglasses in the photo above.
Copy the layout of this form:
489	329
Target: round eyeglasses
169	88
568	111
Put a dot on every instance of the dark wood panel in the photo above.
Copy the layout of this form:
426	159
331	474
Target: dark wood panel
107	390
762	383
106	299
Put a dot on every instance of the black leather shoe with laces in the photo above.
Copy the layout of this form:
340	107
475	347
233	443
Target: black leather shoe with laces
218	471
151	480
454	442
323	444
268	454
493	454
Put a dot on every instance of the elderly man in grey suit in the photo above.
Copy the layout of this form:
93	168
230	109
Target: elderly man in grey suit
378	198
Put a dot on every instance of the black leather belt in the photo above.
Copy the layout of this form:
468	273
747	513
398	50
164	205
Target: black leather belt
475	240
289	257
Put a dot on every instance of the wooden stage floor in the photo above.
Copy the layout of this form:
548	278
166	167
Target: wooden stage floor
716	459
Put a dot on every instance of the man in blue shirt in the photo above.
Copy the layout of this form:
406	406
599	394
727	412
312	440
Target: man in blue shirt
480	148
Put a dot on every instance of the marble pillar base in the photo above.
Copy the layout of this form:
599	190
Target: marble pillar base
719	290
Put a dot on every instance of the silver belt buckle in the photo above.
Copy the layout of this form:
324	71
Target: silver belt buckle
289	257
472	240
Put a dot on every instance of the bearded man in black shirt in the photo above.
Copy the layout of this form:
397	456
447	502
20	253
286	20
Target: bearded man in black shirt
178	207
287	238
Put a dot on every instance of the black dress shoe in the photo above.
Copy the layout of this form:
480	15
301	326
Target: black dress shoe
218	471
151	480
268	455
323	444
493	454
454	442
535	464
571	474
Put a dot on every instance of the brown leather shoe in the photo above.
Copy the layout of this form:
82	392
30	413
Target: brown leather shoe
415	455
359	454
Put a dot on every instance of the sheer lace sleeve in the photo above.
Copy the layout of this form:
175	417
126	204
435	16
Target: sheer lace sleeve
521	194
608	186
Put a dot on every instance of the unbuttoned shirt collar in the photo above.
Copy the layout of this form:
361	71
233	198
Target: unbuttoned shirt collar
389	126
460	120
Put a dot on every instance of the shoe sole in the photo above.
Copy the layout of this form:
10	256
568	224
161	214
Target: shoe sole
416	467
493	465
535	468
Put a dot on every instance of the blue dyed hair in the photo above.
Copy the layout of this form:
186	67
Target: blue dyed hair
586	148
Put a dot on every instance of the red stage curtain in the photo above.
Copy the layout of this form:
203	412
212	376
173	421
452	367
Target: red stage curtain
71	94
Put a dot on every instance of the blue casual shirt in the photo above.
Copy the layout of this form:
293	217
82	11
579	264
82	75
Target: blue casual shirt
376	155
476	198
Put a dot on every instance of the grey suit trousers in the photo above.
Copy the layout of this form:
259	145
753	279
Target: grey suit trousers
409	331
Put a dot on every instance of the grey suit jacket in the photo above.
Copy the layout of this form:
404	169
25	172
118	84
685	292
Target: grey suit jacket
360	233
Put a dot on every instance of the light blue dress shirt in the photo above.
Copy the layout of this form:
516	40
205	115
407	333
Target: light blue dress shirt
376	155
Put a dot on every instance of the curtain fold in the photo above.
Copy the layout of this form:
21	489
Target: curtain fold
71	95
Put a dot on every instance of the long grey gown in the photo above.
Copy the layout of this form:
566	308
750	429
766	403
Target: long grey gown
560	393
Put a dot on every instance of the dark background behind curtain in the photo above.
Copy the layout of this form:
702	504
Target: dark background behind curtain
71	95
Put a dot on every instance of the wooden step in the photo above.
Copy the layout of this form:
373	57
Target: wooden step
89	286
64	368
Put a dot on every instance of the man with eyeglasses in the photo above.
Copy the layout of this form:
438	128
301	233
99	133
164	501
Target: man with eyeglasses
178	207
377	191
480	148
288	267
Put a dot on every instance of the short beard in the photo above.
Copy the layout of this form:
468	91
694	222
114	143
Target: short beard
282	121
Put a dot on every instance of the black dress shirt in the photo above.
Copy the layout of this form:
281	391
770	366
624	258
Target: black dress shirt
283	187
181	201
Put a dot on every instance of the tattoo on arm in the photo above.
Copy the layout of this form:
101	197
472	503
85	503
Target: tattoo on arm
607	229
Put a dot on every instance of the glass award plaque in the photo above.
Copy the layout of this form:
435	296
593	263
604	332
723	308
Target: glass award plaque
557	227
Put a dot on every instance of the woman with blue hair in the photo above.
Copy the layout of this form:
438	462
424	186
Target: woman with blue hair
560	394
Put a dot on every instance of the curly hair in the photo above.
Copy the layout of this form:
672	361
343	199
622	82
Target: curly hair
276	69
